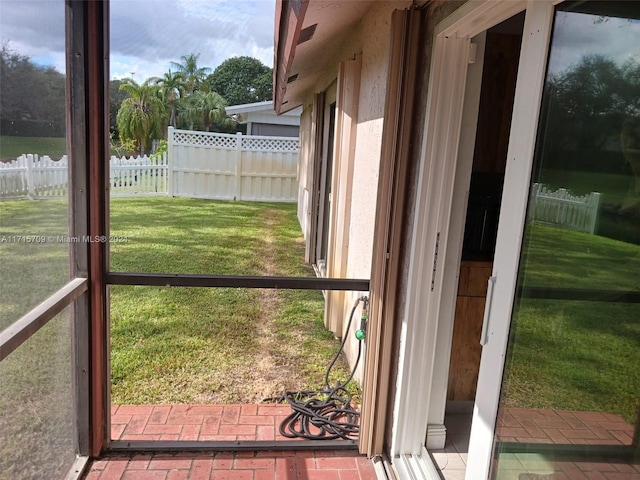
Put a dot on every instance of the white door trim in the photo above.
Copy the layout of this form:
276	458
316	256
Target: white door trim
419	333
419	354
526	108
419	330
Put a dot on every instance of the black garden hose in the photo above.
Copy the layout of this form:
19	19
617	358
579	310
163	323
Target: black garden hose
325	414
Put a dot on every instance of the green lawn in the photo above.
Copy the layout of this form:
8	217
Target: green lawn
12	147
567	259
30	271
227	345
577	355
174	345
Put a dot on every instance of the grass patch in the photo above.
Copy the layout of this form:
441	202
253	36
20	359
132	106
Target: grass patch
36	406
576	355
174	345
12	147
169	235
30	272
197	345
566	259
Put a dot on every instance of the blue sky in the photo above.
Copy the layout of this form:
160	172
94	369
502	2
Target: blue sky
146	35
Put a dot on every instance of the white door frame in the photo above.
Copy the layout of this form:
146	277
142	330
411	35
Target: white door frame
427	324
522	141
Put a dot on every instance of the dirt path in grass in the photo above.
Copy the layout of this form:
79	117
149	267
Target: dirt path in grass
268	374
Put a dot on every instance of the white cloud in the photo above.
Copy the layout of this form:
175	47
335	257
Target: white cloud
577	35
146	35
35	29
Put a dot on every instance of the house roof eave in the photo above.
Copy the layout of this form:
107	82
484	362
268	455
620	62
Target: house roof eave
288	23
310	43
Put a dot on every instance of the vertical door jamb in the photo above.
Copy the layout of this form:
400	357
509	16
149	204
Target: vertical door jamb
316	161
97	118
348	91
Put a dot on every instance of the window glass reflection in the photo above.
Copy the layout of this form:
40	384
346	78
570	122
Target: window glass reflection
34	232
571	387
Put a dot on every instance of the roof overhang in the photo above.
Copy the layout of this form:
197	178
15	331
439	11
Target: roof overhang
242	113
308	33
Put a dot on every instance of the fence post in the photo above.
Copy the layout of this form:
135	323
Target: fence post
594	204
238	195
533	202
30	180
170	161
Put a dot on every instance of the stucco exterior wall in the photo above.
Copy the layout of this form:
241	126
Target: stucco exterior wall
375	38
371	39
375	31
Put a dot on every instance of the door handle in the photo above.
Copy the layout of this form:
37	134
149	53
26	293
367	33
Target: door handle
487	311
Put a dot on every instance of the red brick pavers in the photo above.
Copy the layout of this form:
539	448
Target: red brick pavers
280	465
198	422
528	425
562	427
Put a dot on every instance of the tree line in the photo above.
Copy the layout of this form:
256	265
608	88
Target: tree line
584	110
188	95
32	97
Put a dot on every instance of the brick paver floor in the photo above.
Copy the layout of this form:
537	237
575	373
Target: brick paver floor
281	465
198	422
563	427
528	425
218	423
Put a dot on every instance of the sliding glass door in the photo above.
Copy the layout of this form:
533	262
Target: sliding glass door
570	391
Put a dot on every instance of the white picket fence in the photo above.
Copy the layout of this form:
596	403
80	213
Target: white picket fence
139	176
40	177
34	177
198	164
562	208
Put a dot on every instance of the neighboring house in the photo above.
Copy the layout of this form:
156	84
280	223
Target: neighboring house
418	132
261	119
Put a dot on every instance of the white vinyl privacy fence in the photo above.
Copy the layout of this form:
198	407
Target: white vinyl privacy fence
233	167
560	207
198	164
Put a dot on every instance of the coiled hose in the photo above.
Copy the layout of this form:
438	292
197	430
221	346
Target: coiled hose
325	414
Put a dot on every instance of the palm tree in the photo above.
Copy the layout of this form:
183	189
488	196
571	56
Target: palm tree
208	107
140	115
192	74
171	84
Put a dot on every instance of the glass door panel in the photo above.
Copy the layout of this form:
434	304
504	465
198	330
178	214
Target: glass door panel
570	395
